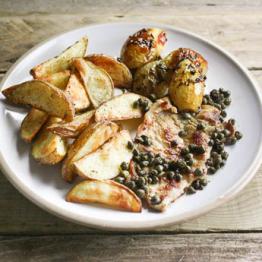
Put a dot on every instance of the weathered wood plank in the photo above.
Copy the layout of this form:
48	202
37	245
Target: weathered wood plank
239	34
120	7
189	247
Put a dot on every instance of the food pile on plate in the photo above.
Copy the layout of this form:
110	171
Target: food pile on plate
74	118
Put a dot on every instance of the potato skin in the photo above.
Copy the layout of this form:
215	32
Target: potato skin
142	47
186	88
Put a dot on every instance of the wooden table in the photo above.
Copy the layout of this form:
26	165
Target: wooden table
231	232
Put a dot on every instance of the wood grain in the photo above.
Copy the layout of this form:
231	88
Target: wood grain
186	248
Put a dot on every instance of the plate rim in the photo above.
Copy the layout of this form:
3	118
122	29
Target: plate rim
138	226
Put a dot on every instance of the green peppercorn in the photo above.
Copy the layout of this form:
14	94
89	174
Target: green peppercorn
131	184
124	166
182	133
130	145
136	104
124	173
198	172
159	168
155	200
238	135
120	179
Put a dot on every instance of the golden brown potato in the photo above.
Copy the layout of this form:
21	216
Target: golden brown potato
98	83
62	61
32	123
75	90
74	128
49	148
175	57
89	140
152	78
119	72
43	96
142	47
108	193
186	89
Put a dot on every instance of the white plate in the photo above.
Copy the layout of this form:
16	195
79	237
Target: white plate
44	186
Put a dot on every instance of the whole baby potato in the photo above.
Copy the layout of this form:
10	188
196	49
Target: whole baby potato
142	47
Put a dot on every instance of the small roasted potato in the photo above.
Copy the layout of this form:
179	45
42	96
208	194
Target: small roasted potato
98	83
59	79
89	140
120	108
142	47
75	90
186	90
49	148
152	78
119	72
62	61
43	96
74	128
105	162
175	57
32	123
108	193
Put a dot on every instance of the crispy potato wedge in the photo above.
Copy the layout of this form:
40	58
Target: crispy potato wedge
109	193
99	85
49	148
120	108
74	128
118	71
186	91
142	47
59	79
32	123
89	140
104	163
62	61
43	96
75	90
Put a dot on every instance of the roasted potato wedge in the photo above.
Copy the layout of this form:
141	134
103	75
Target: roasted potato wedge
75	90
59	79
175	57
62	61
186	90
120	108
32	123
43	96
89	140
143	47
104	163
99	85
119	72
74	128
49	148
152	78
109	193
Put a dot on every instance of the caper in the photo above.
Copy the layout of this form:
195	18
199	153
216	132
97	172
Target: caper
170	174
211	170
218	106
222	163
154	179
165	166
226	132
155	200
186	169
198	172
219	148
190	162
137	158
214	93
220	136
227	93
188	156
190	190
223	113
153	172
135	152
141	172
182	133
197	185
144	163
177	177
211	142
152	97
141	181
223	106
221	119
217	161
216	165
184	151
130	145
157	161
195	149
214	154
209	162
180	164
146	109
204	101
140	101
136	104
174	143
200	126
224	155
120	179
124	166
144	157
186	116
150	155
203	181
124	173
227	101
214	135
140	193
131	184
232	121
231	141
139	140
159	168
238	135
